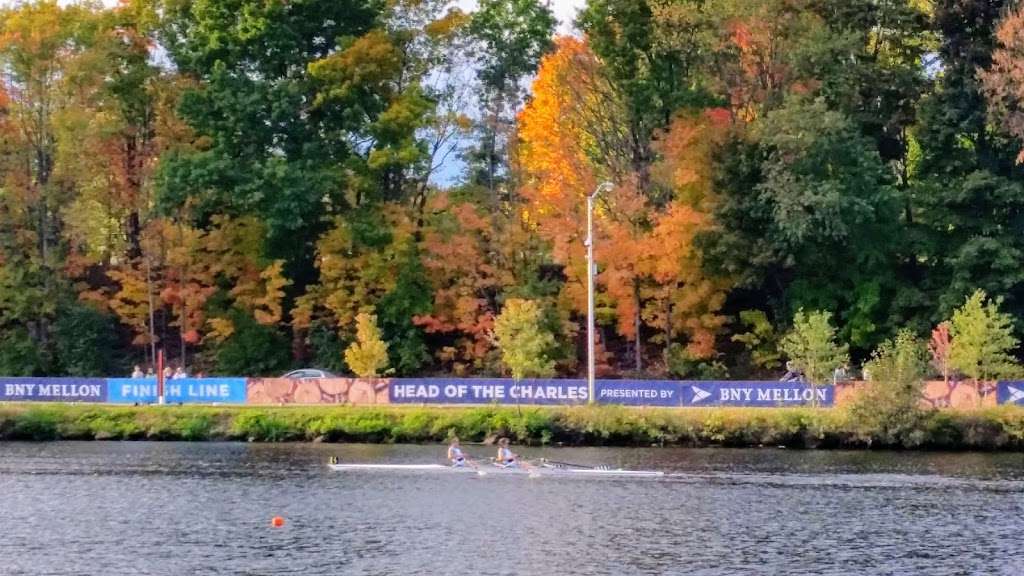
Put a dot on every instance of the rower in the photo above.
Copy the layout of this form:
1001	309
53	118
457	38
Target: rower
506	457
455	455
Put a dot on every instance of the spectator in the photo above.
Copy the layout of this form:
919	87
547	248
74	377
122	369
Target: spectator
841	374
137	372
792	373
168	373
179	374
149	372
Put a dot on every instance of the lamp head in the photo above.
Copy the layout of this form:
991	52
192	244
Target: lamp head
603	187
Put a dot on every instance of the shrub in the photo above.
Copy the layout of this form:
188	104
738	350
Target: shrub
262	426
36	424
887	409
995	428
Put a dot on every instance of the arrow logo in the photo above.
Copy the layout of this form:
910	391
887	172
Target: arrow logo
699	394
1016	395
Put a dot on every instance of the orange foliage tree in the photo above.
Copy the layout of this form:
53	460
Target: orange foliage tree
458	244
651	275
756	52
184	269
1004	80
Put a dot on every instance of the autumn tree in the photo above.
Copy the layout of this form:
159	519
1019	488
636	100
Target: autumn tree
399	87
39	44
369	260
939	347
525	346
651	274
367	357
458	245
203	281
1003	81
124	114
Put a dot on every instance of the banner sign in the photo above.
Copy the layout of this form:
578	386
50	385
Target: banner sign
205	390
755	393
666	393
180	391
131	390
640	392
1011	392
53	389
486	391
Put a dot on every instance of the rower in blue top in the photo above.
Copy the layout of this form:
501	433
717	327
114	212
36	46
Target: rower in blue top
509	459
455	454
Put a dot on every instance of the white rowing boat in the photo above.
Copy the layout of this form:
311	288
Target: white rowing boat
541	470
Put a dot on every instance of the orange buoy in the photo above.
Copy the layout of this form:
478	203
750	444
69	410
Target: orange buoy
277	521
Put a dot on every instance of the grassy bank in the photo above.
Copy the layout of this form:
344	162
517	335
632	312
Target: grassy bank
988	429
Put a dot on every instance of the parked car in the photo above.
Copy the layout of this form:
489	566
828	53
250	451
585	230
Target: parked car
309	373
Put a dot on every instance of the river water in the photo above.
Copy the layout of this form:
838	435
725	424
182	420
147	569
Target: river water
108	508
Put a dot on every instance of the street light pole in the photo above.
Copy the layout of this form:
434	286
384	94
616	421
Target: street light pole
591	271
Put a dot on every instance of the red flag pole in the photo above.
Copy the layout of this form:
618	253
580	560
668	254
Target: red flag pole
160	376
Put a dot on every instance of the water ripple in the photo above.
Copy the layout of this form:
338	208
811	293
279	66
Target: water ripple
184	509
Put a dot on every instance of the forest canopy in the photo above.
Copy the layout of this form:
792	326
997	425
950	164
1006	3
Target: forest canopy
241	183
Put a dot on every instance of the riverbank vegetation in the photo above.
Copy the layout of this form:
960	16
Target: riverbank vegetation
241	182
989	429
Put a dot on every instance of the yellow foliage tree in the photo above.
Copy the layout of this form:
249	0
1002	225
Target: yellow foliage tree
367	357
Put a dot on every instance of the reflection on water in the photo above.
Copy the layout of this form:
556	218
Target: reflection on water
175	508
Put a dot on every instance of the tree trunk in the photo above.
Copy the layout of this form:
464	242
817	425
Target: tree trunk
638	347
44	254
152	313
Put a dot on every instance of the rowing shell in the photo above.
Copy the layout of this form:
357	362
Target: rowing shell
499	470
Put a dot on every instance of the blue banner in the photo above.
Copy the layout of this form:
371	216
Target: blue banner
180	391
486	391
755	393
205	390
626	392
640	392
53	389
1011	392
131	390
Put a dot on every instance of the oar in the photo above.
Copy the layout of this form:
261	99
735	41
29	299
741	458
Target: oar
570	464
479	471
